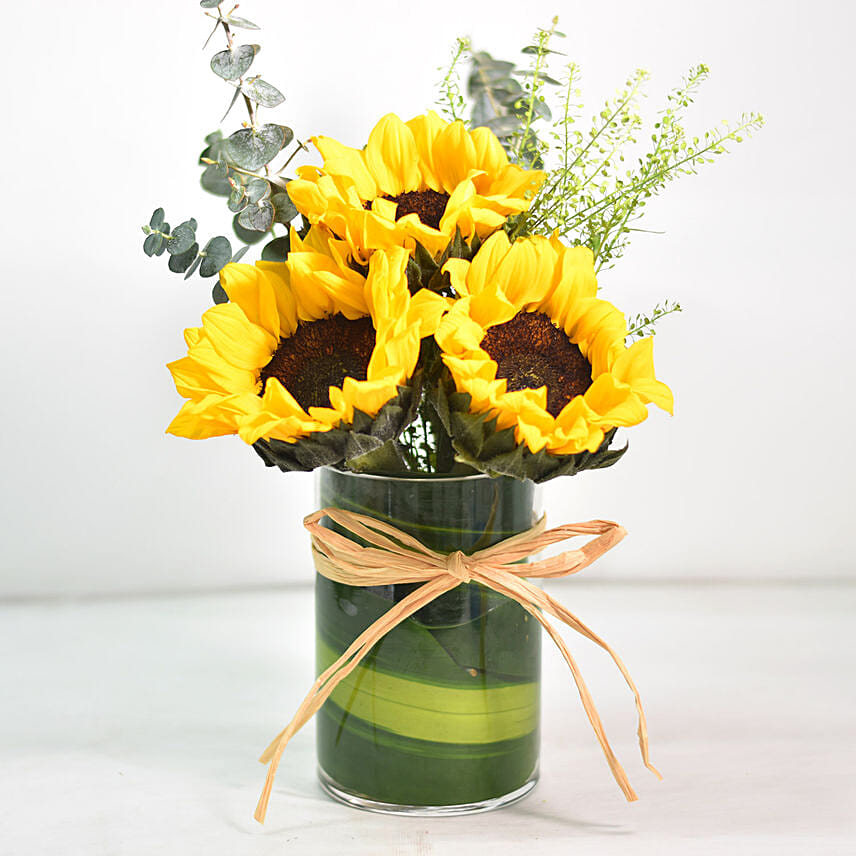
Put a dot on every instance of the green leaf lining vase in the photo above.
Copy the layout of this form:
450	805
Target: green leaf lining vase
443	715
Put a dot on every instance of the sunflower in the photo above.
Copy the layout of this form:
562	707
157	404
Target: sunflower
414	181
534	346
301	344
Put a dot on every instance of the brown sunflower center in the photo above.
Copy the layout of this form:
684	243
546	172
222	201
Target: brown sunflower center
531	352
429	205
319	355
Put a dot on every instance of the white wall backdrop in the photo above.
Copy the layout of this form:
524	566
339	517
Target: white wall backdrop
753	476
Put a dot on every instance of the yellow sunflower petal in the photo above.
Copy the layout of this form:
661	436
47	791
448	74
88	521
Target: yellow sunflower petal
212	416
635	366
197	421
249	287
286	305
454	155
489	153
491	306
425	311
391	156
425	130
484	267
422	155
195	376
614	402
238	341
347	161
541	276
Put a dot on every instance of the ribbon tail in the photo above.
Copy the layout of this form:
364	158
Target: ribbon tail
331	677
588	703
533	600
558	611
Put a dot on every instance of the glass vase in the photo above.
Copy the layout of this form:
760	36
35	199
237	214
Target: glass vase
443	715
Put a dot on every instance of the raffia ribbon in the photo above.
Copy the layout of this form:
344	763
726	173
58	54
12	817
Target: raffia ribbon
397	557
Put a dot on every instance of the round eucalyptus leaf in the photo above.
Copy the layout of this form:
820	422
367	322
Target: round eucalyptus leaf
232	64
157	219
251	148
503	126
216	148
182	238
237	199
248	236
544	78
262	92
258	216
285	210
482	111
217	253
213	179
192	269
218	294
240	254
287	136
483	60
256	189
276	250
487	78
541	109
242	23
180	262
508	92
152	243
210	4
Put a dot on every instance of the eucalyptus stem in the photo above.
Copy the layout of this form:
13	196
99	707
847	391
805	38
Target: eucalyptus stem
237	166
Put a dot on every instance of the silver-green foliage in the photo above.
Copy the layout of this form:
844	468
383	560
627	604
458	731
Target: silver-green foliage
183	249
512	102
238	167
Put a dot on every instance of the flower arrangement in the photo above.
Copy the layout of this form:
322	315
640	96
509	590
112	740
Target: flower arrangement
436	310
427	304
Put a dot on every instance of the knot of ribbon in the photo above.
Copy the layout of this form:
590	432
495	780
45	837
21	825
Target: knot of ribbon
457	567
394	557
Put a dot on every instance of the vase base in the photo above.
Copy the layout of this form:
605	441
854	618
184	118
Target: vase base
356	801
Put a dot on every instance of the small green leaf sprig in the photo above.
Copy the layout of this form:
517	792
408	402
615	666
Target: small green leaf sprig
642	324
184	253
591	196
238	167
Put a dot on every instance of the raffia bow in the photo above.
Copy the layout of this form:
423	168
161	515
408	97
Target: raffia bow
397	557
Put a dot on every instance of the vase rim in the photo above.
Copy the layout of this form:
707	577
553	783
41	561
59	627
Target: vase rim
421	479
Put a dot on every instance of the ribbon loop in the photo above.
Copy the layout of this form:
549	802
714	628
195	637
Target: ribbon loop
396	557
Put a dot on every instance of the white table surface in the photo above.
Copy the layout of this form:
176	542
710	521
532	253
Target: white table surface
131	726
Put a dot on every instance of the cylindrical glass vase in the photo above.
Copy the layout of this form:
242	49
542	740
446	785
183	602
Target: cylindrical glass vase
443	715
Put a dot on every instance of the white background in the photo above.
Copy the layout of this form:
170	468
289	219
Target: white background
105	109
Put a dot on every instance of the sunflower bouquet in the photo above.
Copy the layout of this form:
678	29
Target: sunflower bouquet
431	310
405	305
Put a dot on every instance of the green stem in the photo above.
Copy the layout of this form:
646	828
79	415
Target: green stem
656	178
543	40
606	244
581	154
